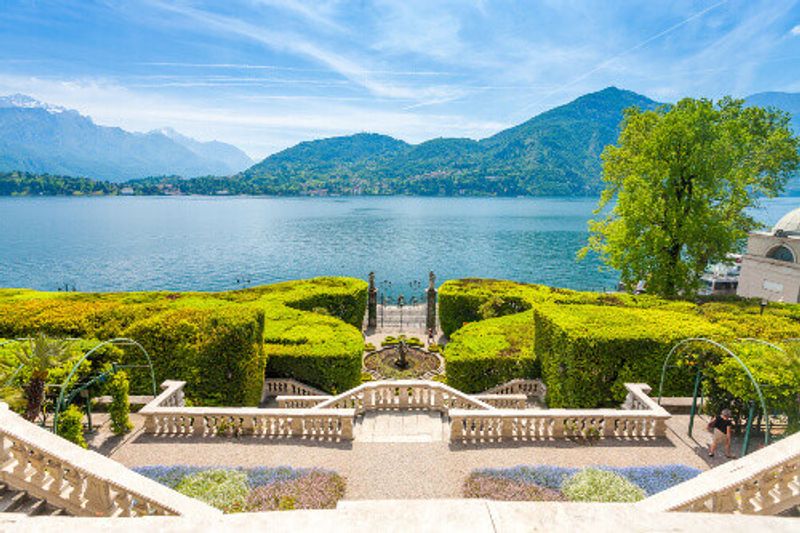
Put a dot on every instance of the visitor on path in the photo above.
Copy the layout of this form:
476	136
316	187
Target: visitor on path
430	336
721	427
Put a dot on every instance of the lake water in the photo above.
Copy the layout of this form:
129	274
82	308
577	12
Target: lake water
199	243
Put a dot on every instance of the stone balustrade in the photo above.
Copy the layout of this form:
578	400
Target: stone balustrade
504	401
647	420
300	402
287	387
403	394
81	482
166	415
765	482
529	387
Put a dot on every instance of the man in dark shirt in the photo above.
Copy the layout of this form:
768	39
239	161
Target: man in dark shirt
722	431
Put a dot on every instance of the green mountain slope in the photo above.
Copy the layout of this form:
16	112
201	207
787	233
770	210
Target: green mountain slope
555	153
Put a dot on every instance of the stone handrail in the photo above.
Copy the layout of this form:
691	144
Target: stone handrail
765	482
528	387
504	401
647	420
403	394
330	424
167	415
300	402
81	482
287	387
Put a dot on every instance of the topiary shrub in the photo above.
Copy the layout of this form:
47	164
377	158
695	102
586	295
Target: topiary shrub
592	485
70	426
224	489
120	408
491	352
588	352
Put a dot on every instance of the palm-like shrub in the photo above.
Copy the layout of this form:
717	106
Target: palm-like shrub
40	355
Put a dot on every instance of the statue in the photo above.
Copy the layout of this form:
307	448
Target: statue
402	350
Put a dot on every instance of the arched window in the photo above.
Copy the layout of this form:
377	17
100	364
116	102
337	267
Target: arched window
781	253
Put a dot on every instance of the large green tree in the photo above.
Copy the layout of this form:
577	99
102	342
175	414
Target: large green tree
678	184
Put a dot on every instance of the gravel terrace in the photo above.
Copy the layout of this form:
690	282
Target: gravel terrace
403	470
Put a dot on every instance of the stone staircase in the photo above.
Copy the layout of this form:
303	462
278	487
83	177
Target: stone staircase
20	502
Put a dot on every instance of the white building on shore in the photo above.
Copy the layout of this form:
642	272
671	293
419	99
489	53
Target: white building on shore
771	266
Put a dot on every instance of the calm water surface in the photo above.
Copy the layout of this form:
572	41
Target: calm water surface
198	243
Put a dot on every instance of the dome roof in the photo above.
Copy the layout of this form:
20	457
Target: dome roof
789	223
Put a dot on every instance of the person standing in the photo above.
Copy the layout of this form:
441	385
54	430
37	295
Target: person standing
722	429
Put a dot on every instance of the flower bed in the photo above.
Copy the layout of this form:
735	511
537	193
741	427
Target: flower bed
553	483
253	489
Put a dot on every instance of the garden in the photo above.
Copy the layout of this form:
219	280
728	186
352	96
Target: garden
235	490
586	345
593	484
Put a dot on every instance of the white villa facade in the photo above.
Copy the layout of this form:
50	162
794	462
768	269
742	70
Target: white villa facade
771	265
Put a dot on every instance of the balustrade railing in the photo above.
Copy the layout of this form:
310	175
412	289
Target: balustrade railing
81	482
646	420
504	401
287	387
765	482
403	394
300	402
166	415
528	387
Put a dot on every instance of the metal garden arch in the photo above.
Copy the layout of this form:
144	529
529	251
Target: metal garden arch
678	348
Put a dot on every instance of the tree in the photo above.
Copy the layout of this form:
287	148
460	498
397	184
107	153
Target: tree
40	354
678	184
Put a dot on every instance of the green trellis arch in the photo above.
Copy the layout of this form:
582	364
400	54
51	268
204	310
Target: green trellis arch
64	398
682	345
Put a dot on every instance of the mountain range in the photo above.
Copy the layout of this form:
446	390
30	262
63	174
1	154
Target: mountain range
554	153
41	138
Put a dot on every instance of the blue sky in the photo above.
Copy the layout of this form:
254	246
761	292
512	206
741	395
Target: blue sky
265	74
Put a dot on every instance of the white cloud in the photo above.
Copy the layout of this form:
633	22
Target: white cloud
795	30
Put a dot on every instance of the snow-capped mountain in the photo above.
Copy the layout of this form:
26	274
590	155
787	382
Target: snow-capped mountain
43	138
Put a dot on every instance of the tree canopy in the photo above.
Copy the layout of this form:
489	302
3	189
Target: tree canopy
678	184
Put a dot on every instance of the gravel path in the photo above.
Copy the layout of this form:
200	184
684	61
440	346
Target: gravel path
381	470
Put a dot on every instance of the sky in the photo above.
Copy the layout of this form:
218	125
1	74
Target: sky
266	74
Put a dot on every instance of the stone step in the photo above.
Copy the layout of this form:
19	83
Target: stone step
401	426
20	502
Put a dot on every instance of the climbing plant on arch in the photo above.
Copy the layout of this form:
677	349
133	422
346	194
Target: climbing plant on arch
72	380
683	349
67	395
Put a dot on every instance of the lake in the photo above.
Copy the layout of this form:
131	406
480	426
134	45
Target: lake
204	243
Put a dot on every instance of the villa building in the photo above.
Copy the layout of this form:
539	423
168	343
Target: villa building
771	266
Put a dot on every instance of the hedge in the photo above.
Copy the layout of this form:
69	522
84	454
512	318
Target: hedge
588	352
586	344
217	342
484	354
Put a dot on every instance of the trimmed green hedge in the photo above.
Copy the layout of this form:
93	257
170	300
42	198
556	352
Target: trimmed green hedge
588	352
219	343
484	354
584	344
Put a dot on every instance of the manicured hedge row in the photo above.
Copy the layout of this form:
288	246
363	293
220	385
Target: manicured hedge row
586	344
314	349
588	352
217	342
484	354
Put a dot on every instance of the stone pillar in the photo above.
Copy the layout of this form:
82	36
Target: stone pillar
372	303
430	319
